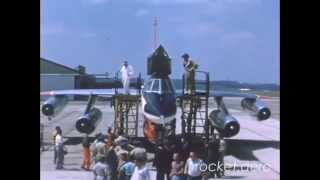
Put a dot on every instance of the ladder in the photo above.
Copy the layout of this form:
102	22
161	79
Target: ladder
194	107
126	108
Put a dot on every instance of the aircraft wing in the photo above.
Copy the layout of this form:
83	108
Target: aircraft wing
223	94
251	102
86	92
231	94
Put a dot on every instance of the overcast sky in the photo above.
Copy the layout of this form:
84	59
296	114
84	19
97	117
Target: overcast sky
232	39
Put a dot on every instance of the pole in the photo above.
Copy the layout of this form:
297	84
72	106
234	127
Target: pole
155	34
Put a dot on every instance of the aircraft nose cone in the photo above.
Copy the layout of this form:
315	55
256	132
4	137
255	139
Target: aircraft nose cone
159	105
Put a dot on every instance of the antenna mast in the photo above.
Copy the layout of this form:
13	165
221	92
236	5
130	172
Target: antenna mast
155	34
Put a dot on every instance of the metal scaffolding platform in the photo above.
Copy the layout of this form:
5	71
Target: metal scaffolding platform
194	113
126	108
194	108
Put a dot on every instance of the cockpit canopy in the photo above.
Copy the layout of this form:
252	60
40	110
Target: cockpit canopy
160	86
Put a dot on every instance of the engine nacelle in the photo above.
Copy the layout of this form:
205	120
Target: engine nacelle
54	105
226	124
88	122
257	107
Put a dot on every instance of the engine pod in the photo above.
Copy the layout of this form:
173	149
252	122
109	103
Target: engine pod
88	122
54	105
257	107
226	124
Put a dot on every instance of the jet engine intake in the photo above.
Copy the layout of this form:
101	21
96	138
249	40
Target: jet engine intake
257	107
54	105
226	124
88	122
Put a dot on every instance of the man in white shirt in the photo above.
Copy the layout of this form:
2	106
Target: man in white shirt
193	166
59	148
100	169
126	73
141	171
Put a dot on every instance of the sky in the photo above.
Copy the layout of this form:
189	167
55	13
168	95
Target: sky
232	39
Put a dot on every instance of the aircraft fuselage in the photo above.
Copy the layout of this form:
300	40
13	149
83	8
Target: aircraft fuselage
159	108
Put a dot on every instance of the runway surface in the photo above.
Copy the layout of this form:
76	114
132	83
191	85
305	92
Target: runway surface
257	145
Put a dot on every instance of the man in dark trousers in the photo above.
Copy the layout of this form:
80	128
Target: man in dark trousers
222	149
185	149
216	150
112	161
162	162
57	128
59	147
213	155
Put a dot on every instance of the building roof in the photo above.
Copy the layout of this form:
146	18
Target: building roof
50	67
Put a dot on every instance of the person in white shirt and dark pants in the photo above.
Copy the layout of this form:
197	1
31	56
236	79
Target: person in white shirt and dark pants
59	148
141	171
193	167
100	169
126	73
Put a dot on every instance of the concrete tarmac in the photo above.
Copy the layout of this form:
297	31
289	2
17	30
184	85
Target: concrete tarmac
256	147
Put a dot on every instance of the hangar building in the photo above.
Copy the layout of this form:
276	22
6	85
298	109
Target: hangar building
54	76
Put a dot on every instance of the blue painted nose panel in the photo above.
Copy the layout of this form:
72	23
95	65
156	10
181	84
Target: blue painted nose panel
157	105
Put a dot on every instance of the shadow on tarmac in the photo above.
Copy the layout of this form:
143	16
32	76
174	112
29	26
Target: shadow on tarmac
242	149
71	164
71	169
234	177
76	140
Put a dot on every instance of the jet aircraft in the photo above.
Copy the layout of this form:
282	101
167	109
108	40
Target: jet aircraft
158	102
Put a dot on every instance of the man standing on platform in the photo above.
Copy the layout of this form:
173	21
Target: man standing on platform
190	68
126	73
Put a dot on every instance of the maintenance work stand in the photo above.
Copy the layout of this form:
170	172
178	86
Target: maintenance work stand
197	131
126	109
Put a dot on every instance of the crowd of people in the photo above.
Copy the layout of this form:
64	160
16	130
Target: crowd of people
111	157
115	159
